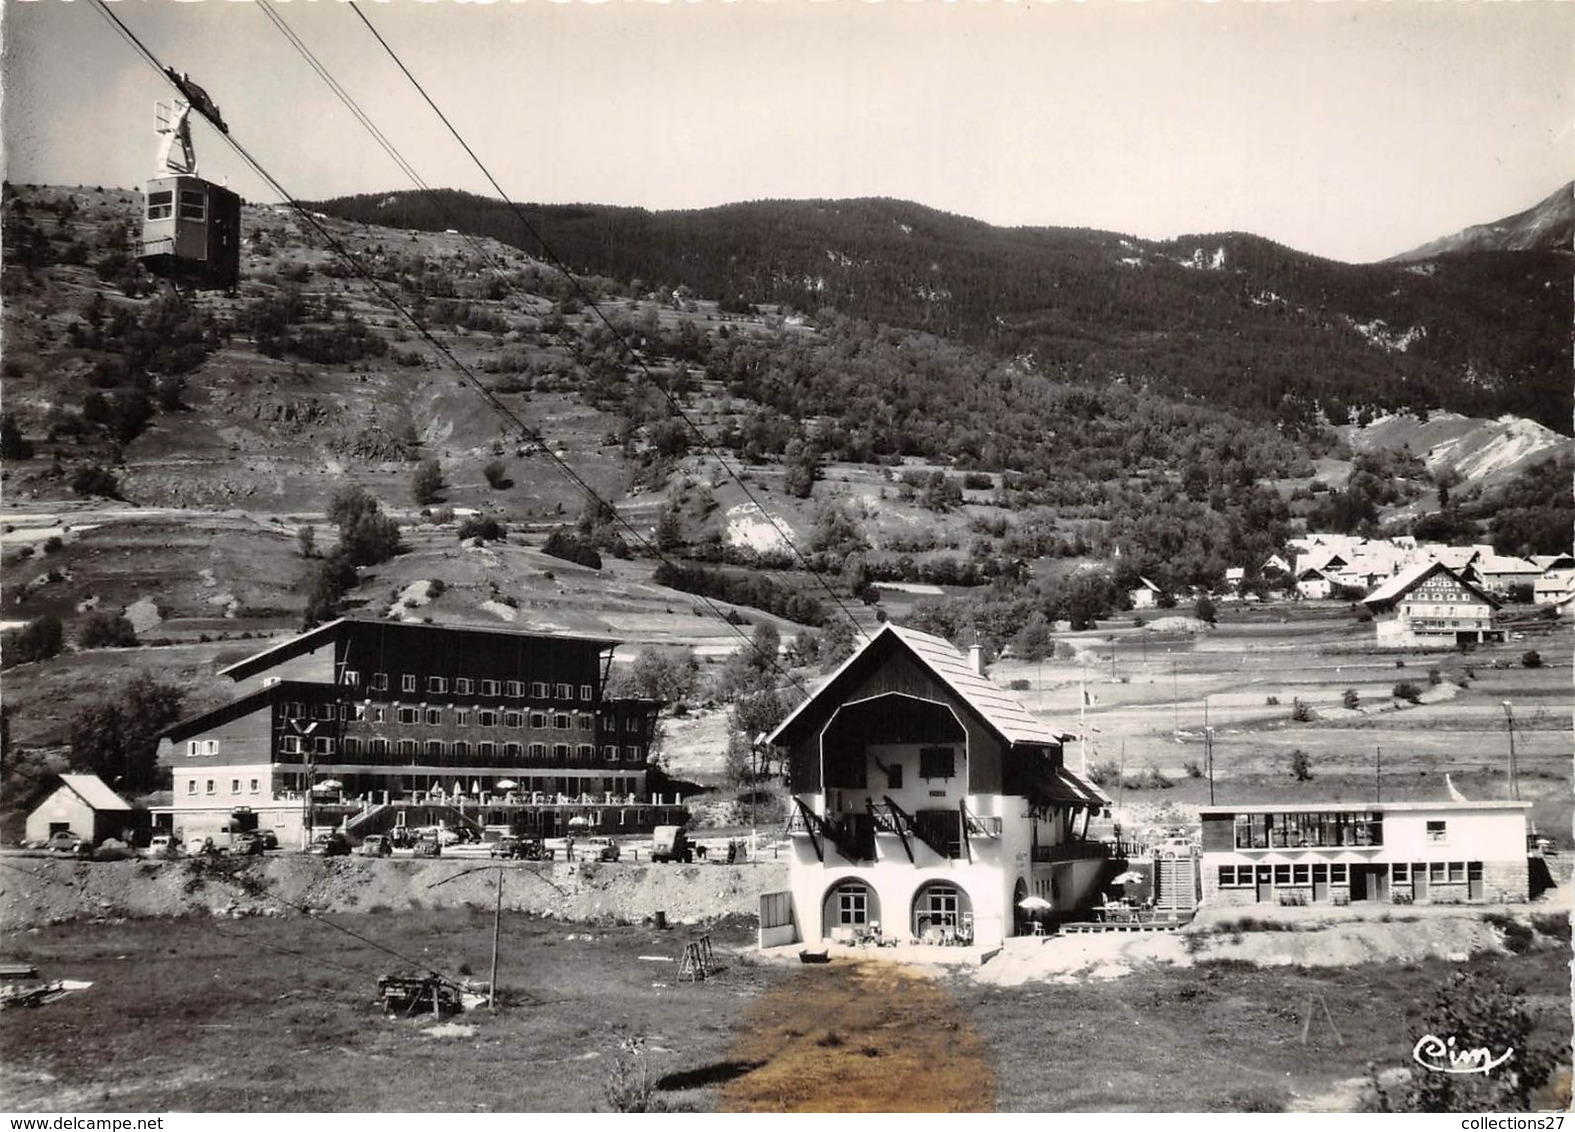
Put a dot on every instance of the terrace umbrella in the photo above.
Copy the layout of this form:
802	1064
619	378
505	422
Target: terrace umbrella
330	784
1129	877
1034	904
505	784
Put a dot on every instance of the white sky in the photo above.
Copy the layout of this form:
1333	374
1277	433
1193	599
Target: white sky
1348	128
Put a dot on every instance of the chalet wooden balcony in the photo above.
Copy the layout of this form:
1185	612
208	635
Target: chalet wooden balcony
1073	851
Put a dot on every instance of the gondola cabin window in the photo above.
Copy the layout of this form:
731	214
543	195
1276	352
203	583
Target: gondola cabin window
161	205
193	204
937	762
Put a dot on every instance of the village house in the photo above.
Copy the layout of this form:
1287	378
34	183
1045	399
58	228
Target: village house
1556	584
1429	605
371	725
1450	852
1498	573
929	802
82	804
1144	595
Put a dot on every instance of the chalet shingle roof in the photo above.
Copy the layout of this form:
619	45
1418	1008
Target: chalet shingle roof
1402	583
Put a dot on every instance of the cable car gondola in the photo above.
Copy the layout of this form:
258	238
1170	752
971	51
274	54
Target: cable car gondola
191	227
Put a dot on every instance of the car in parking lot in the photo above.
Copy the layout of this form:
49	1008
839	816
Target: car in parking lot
597	849
376	845
63	841
330	844
246	845
163	845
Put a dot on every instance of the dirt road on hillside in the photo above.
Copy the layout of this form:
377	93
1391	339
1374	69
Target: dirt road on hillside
860	1036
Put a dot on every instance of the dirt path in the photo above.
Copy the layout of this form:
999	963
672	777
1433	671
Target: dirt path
860	1037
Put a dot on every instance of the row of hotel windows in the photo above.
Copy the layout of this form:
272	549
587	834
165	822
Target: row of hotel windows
235	786
465	686
461	717
453	752
1437	872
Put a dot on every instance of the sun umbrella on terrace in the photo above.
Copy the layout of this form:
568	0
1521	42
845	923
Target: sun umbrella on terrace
505	784
329	784
1129	877
1034	903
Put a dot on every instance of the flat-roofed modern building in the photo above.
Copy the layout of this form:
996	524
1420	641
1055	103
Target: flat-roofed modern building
1427	852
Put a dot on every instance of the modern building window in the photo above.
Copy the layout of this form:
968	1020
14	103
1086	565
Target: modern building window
1300	874
407	682
191	786
323	745
587	721
461	751
516	689
485	750
437	683
192	748
351	746
434	749
560	721
633	754
1282	875
408	715
514	719
210	786
464	685
235	786
325	711
1401	873
538	719
290	744
1457	872
351	678
538	689
587	751
380	681
565	692
610	753
358	713
937	762
538	750
560	752
377	747
379	714
487	718
587	692
434	716
254	785
1435	872
1437	832
631	724
489	687
295	710
513	750
462	718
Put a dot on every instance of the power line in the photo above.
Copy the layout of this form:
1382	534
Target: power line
553	259
498	406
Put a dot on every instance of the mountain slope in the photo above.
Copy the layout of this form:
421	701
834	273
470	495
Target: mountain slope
1232	320
1548	225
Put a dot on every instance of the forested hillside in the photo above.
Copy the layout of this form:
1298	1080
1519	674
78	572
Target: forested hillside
1231	320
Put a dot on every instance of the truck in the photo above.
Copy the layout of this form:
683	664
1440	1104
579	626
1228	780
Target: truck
670	843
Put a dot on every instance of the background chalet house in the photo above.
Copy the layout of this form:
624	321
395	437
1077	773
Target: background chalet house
82	804
930	802
372	725
1431	605
1424	852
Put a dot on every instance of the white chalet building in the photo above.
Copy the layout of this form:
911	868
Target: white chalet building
1429	605
930	802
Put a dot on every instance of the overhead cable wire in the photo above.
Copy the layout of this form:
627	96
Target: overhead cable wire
585	296
392	301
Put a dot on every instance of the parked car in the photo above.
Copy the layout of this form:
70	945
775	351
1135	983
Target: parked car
62	841
597	849
376	845
163	845
200	847
671	843
269	839
427	847
506	847
330	844
246	845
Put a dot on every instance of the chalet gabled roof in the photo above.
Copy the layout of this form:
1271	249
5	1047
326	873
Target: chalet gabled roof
92	790
1408	579
999	710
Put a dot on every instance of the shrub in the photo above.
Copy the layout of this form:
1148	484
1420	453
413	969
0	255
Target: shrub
1204	610
52	544
96	480
106	631
1406	690
1301	765
39	639
1301	711
1532	659
1435	677
13	445
1272	701
571	548
1155	779
1350	699
1193	769
1102	772
1020	685
306	538
479	526
435	588
496	473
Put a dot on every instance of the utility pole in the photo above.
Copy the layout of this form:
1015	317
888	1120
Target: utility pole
1208	754
1509	726
311	773
497	923
1175	696
1378	774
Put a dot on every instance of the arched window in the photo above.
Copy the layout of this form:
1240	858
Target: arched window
851	905
941	906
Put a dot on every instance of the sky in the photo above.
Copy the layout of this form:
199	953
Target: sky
1352	129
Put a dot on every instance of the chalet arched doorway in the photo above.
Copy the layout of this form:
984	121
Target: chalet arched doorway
941	908
850	905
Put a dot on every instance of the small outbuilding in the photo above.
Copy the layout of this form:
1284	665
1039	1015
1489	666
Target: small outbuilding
85	806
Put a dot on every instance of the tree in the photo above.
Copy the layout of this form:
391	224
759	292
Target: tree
96	480
1204	610
334	577
496	473
1033	641
101	630
669	529
1350	699
427	482
13	445
39	639
1531	659
117	737
1408	691
1301	765
306	537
